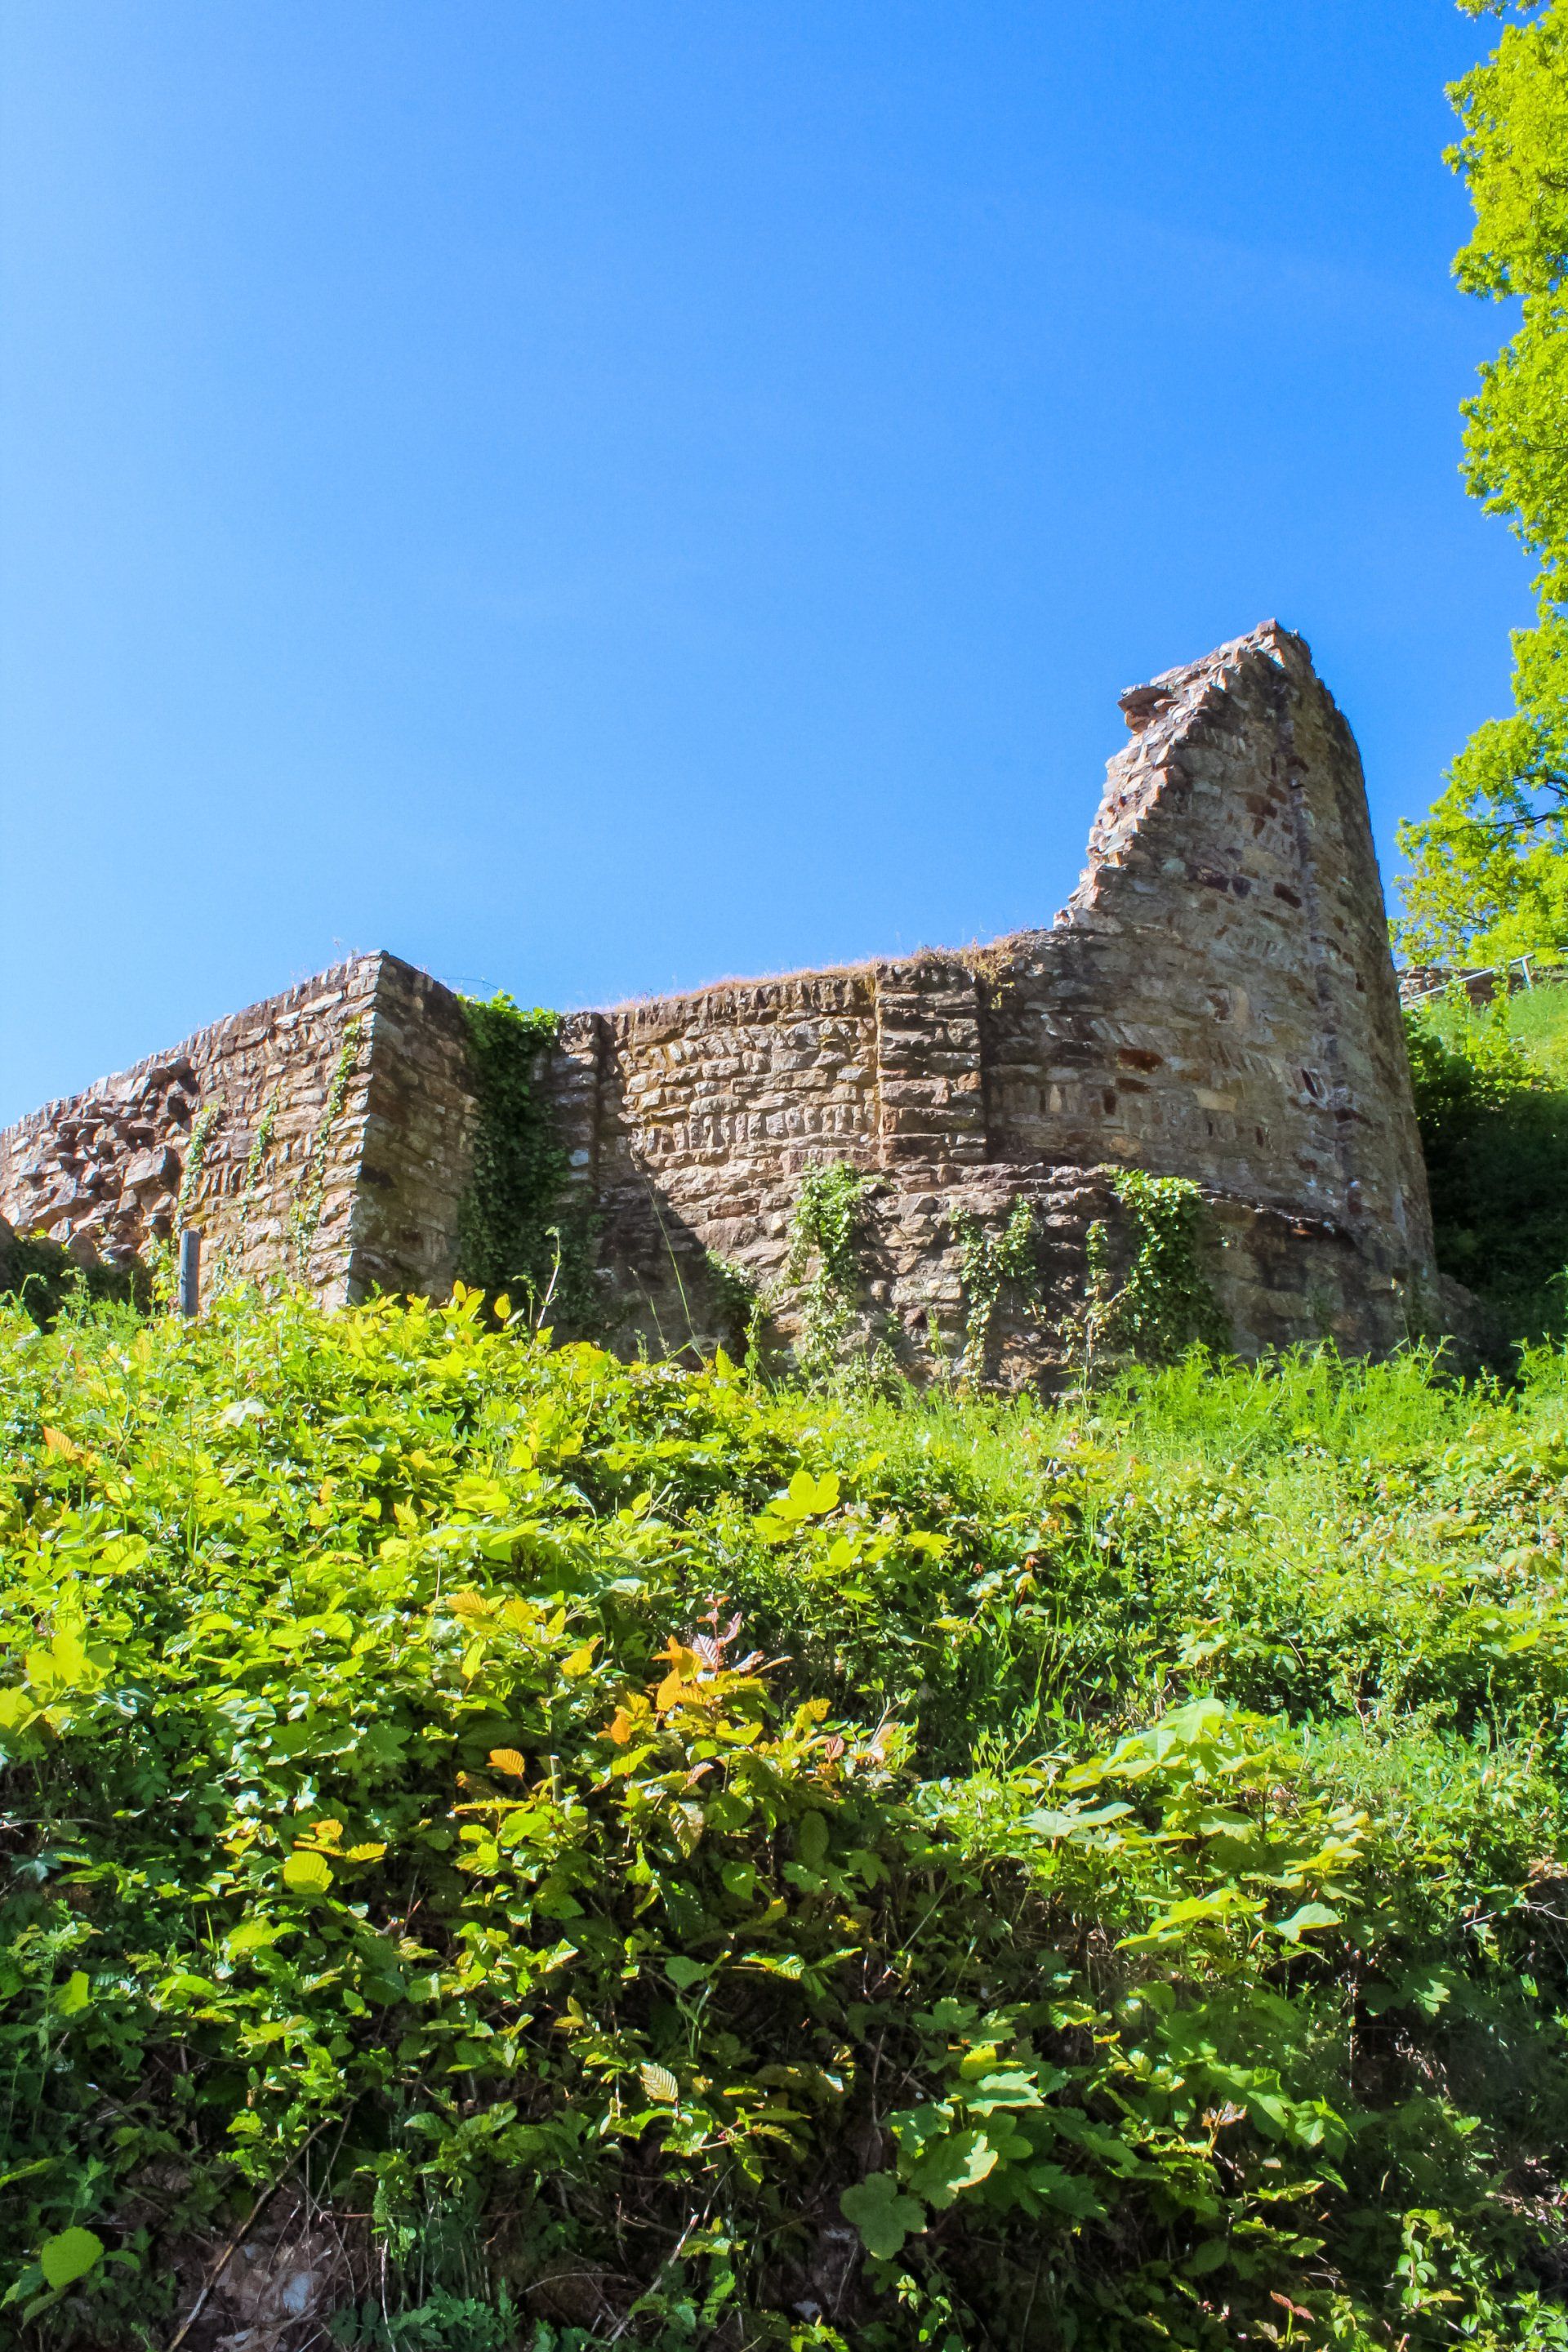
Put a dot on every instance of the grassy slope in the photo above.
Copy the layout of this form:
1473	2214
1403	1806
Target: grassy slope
1129	1910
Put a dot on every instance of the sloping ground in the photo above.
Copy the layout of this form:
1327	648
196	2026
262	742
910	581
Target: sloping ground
1125	1903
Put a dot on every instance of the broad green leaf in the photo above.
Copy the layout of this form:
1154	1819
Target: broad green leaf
252	1936
809	1497
811	1840
1068	2192
884	2217
947	2165
17	1710
1310	1915
69	2256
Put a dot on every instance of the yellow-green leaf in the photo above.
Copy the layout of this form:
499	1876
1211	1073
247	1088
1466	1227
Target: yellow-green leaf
306	1874
69	2256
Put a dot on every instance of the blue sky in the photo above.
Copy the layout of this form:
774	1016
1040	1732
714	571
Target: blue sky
597	496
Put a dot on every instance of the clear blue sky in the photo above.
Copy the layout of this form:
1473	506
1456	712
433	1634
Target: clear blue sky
597	496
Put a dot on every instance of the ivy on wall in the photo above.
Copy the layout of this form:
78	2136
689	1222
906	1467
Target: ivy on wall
202	1128
738	1302
305	1216
826	1223
517	1233
986	1261
1164	1303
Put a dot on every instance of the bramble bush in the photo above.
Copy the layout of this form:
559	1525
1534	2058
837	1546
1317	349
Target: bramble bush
667	1861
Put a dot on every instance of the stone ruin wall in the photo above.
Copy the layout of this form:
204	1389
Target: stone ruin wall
1215	1001
104	1170
366	1197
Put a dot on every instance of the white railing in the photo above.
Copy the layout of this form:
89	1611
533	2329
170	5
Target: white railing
1554	975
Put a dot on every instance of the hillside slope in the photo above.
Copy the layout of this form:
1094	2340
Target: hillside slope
529	1851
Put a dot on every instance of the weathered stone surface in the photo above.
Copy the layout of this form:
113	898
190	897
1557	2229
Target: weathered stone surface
1216	1001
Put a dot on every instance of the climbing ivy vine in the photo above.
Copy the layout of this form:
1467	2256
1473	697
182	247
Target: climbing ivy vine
736	1295
305	1216
256	1159
1164	1303
516	1232
202	1128
827	1223
986	1262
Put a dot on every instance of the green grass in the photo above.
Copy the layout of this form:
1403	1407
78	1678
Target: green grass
1536	1017
1539	1019
1108	1890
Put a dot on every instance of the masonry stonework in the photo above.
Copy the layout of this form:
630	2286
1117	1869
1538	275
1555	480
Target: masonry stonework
1215	1001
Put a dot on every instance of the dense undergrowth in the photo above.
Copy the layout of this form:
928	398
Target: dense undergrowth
1491	1096
652	1859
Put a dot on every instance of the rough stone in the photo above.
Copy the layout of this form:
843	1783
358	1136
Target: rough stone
1215	1001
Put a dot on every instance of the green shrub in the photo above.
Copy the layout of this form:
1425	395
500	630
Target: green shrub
518	1232
1494	1127
41	1276
718	1866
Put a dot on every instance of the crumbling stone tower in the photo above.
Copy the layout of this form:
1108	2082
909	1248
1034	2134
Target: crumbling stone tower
1216	1002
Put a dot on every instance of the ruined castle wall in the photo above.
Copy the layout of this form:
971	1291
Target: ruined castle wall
336	1126
105	1167
415	1141
1218	999
1216	1002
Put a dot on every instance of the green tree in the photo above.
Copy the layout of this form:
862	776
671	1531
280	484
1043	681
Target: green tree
1489	862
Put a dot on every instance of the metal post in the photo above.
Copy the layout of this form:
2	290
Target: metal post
190	1271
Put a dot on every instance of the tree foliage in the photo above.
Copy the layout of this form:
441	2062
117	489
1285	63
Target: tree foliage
1490	863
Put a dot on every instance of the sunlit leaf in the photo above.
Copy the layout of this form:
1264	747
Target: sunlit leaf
306	1874
77	1995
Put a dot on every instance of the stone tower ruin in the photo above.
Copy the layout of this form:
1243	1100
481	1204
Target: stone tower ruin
1216	1002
